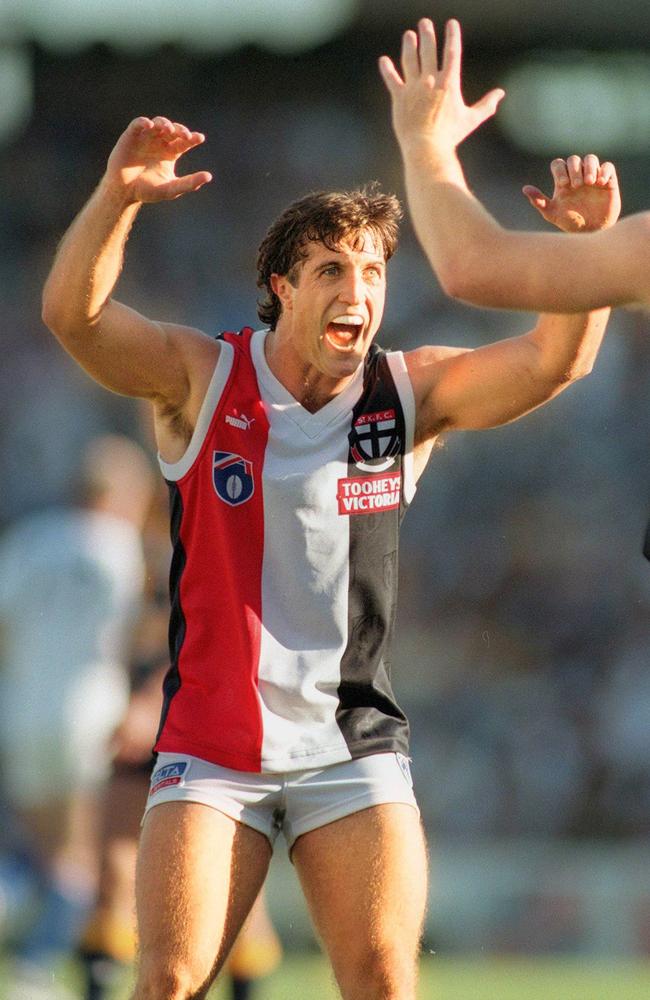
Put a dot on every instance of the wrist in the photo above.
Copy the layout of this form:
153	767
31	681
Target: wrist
120	196
440	161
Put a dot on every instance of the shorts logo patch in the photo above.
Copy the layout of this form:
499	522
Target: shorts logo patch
374	441
170	774
369	494
232	477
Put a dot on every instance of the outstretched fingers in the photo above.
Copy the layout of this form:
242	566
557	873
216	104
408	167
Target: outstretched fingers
389	75
487	105
427	102
536	197
410	58
452	55
585	196
427	47
186	184
140	124
576	171
590	168
560	173
607	176
176	137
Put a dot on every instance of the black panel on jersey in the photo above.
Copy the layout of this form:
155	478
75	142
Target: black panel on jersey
368	715
177	624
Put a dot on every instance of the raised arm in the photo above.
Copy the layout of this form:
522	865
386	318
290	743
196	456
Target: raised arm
121	349
474	258
499	382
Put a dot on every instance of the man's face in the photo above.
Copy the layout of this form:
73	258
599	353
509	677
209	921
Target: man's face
333	308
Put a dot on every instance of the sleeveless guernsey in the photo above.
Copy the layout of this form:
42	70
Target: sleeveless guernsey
284	570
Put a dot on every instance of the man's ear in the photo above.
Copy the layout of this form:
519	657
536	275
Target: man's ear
282	288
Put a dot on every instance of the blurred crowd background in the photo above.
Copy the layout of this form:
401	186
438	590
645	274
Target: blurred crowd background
522	646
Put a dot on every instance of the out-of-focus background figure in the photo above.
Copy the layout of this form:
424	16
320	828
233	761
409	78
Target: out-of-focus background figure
524	608
71	581
107	947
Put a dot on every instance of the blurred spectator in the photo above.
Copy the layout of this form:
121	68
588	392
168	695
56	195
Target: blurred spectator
71	581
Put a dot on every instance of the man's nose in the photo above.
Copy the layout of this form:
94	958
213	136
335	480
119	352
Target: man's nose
352	288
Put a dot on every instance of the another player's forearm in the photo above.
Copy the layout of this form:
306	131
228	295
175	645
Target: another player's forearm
454	229
476	260
88	263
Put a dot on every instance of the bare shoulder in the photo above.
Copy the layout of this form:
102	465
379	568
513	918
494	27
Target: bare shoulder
426	364
190	344
196	354
429	354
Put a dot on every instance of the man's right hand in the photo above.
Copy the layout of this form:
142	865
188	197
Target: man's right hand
142	166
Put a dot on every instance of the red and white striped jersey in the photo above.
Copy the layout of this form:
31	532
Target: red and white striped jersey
284	572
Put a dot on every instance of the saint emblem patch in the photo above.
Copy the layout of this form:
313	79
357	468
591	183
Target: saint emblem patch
374	441
232	477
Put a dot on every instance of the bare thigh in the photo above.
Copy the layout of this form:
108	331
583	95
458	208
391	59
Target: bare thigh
198	874
365	881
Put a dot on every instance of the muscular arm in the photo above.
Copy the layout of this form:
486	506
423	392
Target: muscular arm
121	349
492	385
478	261
475	258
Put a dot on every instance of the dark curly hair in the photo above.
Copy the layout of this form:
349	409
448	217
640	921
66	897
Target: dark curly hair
327	217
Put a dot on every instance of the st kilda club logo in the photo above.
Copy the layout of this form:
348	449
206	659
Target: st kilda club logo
374	441
232	477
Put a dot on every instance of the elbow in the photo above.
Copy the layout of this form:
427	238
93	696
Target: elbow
52	311
580	370
456	280
60	317
49	315
573	373
452	284
468	278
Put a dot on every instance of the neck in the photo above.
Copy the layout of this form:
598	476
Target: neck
308	386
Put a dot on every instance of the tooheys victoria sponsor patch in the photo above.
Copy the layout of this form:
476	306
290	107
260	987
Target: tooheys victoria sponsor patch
369	494
374	440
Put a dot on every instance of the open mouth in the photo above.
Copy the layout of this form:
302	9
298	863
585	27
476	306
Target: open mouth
343	331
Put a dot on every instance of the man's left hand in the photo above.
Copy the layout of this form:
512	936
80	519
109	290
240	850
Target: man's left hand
585	197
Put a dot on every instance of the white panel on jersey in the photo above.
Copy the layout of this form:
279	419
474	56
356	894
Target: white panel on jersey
398	370
306	569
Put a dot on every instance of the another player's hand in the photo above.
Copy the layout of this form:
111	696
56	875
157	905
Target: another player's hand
427	101
585	195
143	162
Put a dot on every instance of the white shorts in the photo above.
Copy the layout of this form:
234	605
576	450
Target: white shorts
293	802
